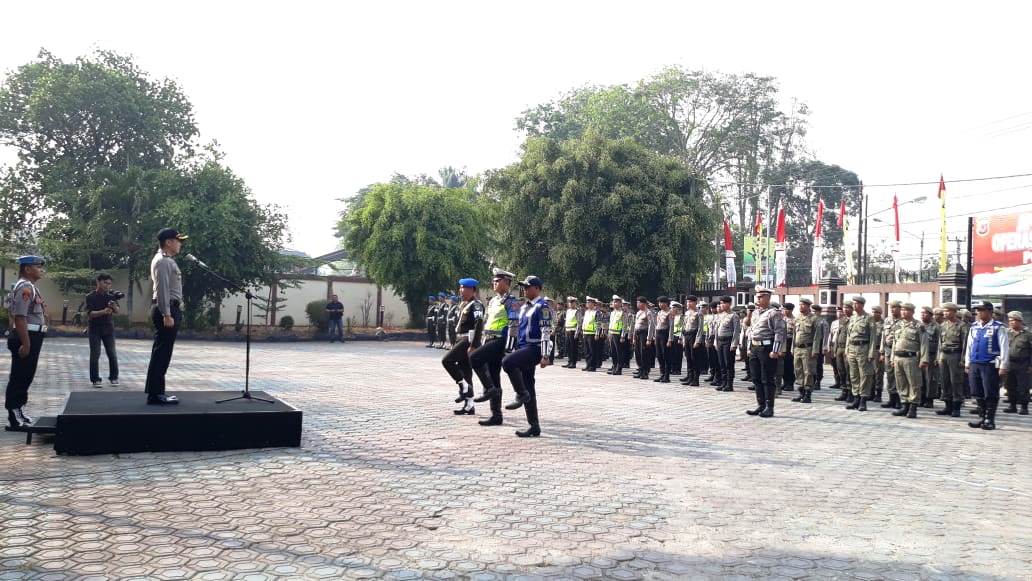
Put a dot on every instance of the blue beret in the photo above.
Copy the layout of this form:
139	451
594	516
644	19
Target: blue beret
454	297
442	294
31	260
432	297
469	282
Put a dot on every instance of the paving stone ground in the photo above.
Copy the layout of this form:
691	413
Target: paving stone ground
631	480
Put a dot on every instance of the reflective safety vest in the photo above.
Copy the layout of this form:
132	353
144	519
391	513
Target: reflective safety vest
589	321
616	323
571	320
678	324
497	314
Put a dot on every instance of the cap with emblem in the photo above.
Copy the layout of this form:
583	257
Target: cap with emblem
984	306
818	308
469	282
617	298
590	299
806	302
692	299
775	305
937	311
876	309
927	310
789	306
895	304
497	273
859	299
532	280
663	299
760	290
169	234
950	306
1016	315
908	306
676	304
727	299
571	299
31	260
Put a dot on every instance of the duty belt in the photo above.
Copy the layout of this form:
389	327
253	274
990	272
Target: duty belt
762	343
36	328
493	333
804	345
859	342
904	354
950	350
726	339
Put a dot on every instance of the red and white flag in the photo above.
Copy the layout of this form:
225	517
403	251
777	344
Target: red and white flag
780	250
817	261
729	254
895	245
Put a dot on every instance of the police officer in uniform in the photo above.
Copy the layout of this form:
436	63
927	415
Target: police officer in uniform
987	361
888	336
930	374
643	339
862	343
841	330
662	339
166	314
692	326
675	345
431	320
1019	378
818	377
453	319
768	336
952	339
587	332
807	343
442	320
469	327
28	314
532	347
909	357
726	329
572	319
618	324
500	336
787	362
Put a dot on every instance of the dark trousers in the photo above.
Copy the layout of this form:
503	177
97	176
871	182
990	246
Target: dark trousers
789	377
690	353
456	362
661	350
486	361
644	355
571	347
985	381
616	351
711	358
819	375
431	332
592	355
1018	381
23	371
762	369
161	351
520	366
674	356
726	362
108	340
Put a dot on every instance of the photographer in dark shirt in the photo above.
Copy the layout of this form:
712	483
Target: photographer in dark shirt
101	306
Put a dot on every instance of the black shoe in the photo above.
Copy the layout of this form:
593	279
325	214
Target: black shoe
946	410
694	383
465	411
799	398
609	372
956	409
664	379
518	402
658	379
755	412
1012	408
893	400
1024	410
162	399
618	372
531	432
902	411
856	403
491	421
863	404
989	423
850	398
488	394
807	397
912	412
768	411
727	388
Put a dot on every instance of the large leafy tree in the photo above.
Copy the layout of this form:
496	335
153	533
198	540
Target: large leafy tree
594	215
416	238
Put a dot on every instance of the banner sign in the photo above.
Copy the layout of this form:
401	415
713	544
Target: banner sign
1001	255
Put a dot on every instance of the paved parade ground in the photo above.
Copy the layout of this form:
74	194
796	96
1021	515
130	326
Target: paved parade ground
630	480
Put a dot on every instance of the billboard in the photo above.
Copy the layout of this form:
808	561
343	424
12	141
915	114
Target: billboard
1001	255
753	252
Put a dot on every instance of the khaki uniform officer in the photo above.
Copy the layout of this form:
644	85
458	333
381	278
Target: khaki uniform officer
862	342
952	339
807	343
909	357
1018	379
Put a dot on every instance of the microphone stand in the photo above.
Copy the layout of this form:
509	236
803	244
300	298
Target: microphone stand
246	393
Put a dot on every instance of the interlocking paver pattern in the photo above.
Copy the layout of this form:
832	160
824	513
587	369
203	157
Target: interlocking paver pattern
631	480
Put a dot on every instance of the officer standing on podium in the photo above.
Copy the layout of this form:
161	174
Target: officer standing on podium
166	314
28	313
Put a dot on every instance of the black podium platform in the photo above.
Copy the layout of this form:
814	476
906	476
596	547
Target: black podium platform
95	422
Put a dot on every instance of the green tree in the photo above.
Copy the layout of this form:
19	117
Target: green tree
593	215
416	238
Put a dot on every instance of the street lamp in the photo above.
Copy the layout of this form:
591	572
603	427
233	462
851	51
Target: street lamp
916	200
920	263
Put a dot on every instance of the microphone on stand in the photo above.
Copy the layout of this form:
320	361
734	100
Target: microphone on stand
193	258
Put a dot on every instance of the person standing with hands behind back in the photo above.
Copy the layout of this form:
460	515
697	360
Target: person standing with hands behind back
335	312
166	314
101	330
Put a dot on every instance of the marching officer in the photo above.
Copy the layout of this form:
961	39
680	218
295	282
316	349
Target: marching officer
28	311
572	317
500	330
930	374
532	347
909	357
617	335
862	343
469	327
726	329
952	339
987	359
807	343
768	336
1020	356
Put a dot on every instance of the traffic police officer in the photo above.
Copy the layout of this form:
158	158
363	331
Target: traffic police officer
500	336
28	311
952	339
1018	378
768	336
572	317
618	323
808	341
862	343
532	347
909	357
469	327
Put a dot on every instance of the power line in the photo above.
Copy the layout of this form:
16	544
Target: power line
846	186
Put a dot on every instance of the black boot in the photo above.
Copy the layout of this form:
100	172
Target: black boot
979	409
761	403
956	408
807	396
1012	408
856	403
522	395
893	400
912	412
946	410
665	378
863	404
491	421
850	398
990	414
843	396
981	415
532	418
1024	410
769	410
799	398
902	411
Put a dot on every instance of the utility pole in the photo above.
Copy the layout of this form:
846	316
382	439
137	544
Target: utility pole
860	238
920	263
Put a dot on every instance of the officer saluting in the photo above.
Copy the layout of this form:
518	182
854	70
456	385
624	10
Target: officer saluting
166	314
28	309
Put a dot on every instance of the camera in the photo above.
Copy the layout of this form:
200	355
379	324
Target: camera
114	295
